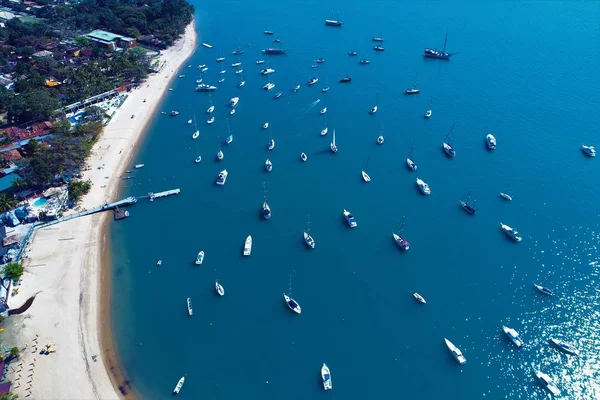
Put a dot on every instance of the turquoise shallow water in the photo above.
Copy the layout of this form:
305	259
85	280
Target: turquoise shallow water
526	72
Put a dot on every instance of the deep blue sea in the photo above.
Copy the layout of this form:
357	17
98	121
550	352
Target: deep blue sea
525	71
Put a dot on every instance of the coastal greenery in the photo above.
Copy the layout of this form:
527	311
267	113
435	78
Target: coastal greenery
77	189
14	352
14	271
7	202
9	396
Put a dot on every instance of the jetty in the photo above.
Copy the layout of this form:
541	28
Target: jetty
166	193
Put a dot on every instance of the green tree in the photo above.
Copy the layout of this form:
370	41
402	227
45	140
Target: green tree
7	202
19	184
14	352
9	396
77	189
14	271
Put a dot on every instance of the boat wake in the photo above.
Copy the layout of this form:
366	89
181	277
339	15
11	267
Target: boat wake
311	105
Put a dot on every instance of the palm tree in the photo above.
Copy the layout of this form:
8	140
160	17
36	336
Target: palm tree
9	396
7	202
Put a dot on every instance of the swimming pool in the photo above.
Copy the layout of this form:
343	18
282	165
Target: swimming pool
40	201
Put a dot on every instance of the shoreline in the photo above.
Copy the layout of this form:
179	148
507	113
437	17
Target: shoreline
69	268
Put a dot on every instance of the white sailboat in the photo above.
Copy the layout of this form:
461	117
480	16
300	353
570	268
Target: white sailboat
374	109
219	288
308	239
268	164
364	174
303	157
333	146
428	112
409	161
197	131
291	303
324	130
248	246
242	82
211	107
271	144
220	154
265	210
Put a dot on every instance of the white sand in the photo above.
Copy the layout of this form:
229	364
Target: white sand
65	263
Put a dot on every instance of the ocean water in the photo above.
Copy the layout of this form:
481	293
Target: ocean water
526	71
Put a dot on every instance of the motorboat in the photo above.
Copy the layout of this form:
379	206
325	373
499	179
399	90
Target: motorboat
470	209
222	177
364	61
320	60
267	71
292	304
229	139
208	46
511	233
271	144
236	64
198	159
350	219
174	113
204	87
490	141
259	62
324	131
203	70
237	52
138	166
332	146
547	383
159	263
269	86
333	22
564	346
221	72
411	164
179	385
189	306
456	353
296	88
543	290
234	101
268	32
346	79
506	196
248	246
200	257
325	89
220	59
365	176
412	91
423	186
268	165
326	377
379	48
323	110
312	81
352	53
266	210
589	151
377	39
265	125
419	298
303	157
219	288
278	95
513	335
373	110
380	139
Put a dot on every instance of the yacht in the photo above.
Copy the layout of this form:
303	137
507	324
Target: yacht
511	233
332	146
265	125
547	383
513	335
470	209
379	48
219	288
268	32
232	111
439	54
278	95
229	139
350	219
292	304
220	59
312	81
427	114
419	298
266	210
179	385
210	120
310	242
296	88
248	246
400	241
564	346
159	263
200	257
269	86
323	110
204	87
543	290
198	159
234	101
138	166
303	157
271	144
220	155
380	139
423	186
236	64
448	149
320	60
259	62
345	79
373	110
490	141
267	71
589	151
222	177
326	377
268	165
353	53
189	306
506	196
456	353
237	52
364	61
365	176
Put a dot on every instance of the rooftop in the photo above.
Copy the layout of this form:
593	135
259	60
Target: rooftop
106	36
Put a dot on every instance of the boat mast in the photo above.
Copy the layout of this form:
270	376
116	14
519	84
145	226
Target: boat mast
412	147
445	40
308	224
265	191
449	135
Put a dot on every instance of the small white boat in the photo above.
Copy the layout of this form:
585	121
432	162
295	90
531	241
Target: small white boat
241	83
323	110
325	89
265	125
456	353
268	165
303	157
200	257
589	151
365	176
271	144
312	81
203	70
427	114
220	59
308	239
258	62
236	64
296	88
506	196
411	164
292	304
210	120
490	141
234	101
248	246
232	111
510	232
324	131
208	46
543	290
221	72
333	146
190	121
219	288
138	166
513	335
419	298
350	219
189	306
220	155
179	385
210	109
198	159
239	71
229	139
326	377
423	186
222	80
269	86
373	110
267	71
222	177
159	263
380	139
448	149
564	346
196	134
547	383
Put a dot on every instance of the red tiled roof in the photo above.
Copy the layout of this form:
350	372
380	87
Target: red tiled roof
39	129
12	155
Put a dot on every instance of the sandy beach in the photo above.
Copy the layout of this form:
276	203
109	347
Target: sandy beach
68	269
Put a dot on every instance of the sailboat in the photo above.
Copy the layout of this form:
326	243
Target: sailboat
197	131
333	146
324	130
409	161
374	109
324	109
179	385
470	209
229	138
297	87
242	82
439	54
265	209
413	89
211	108
199	157
400	241
428	112
308	239
380	138
303	157
268	164
326	88
220	154
291	303
364	174
448	149
219	288
271	144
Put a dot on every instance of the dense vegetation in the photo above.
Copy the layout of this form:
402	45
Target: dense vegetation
77	189
7	202
13	270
